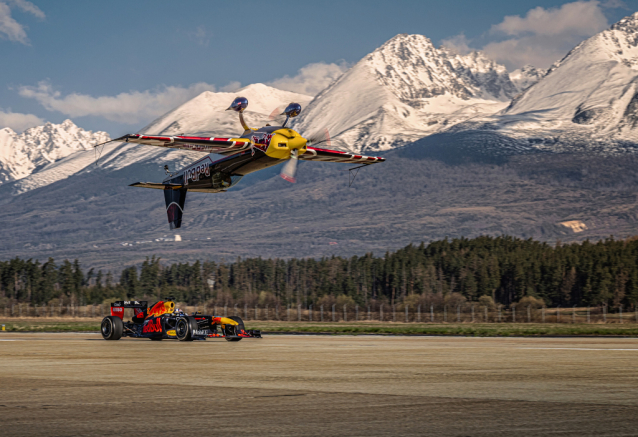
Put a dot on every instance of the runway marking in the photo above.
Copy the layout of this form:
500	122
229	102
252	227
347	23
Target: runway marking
578	349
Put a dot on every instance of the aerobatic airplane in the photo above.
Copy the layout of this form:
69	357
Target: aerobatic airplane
255	149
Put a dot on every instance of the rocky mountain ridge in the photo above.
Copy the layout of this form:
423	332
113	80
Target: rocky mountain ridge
586	103
21	154
404	90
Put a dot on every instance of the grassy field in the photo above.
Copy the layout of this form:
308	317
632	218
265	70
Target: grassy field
352	328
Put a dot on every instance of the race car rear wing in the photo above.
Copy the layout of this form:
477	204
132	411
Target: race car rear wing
117	308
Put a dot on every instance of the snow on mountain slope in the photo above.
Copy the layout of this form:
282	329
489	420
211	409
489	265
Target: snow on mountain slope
527	76
204	114
592	92
207	113
21	154
405	90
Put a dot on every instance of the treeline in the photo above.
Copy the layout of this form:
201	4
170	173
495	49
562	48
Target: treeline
505	269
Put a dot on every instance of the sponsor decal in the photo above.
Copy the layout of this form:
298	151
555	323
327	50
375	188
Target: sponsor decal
201	331
261	140
171	333
160	308
193	173
117	312
152	325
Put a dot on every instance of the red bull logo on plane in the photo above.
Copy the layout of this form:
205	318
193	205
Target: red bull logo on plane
197	171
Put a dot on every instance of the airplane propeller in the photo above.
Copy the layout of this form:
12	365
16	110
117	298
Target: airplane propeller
289	171
276	113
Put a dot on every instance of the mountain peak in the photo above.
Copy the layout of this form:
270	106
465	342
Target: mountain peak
253	87
405	90
206	113
628	24
405	41
21	154
591	93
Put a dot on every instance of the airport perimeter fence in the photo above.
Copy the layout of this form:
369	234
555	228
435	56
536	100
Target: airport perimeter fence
466	313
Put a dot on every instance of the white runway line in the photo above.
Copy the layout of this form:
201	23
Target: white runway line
577	349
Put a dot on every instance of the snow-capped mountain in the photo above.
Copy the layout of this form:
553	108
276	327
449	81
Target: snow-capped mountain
405	90
589	97
204	114
527	76
21	154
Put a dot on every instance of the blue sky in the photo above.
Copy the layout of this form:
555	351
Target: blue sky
117	65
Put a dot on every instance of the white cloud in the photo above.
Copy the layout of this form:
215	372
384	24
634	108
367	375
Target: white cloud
19	122
231	87
200	35
542	36
311	79
29	7
458	44
9	28
581	18
130	108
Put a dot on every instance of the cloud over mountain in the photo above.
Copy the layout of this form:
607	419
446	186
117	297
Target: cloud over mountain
540	37
311	79
19	122
131	107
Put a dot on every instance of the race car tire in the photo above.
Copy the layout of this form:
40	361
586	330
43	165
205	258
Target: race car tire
184	328
240	327
240	322
112	328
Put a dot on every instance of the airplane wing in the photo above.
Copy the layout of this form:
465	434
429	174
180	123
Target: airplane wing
326	155
196	144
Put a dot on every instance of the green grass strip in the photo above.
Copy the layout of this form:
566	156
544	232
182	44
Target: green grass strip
468	329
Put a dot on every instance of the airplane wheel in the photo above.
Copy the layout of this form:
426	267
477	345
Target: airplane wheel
112	328
184	328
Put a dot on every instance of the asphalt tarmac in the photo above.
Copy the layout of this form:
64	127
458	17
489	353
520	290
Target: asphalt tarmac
79	384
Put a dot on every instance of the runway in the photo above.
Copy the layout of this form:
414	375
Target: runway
78	384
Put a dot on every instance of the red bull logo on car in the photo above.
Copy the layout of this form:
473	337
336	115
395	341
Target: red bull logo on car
152	326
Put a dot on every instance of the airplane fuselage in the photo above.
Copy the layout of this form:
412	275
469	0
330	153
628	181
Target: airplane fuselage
271	146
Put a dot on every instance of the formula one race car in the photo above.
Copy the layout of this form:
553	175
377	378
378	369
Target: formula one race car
163	320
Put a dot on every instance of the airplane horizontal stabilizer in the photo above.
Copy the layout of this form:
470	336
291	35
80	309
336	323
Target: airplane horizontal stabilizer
157	185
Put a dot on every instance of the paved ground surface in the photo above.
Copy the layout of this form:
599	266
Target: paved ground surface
78	384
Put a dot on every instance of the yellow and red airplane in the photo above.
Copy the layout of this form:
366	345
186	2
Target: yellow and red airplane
255	149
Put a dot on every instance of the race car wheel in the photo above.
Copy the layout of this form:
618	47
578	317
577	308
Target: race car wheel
112	328
184	328
238	328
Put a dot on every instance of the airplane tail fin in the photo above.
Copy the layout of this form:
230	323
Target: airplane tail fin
175	201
